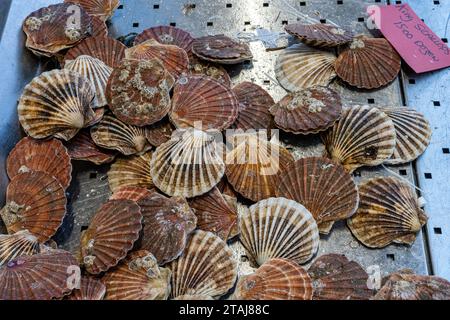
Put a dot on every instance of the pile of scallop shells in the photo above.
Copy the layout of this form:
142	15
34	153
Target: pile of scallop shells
154	111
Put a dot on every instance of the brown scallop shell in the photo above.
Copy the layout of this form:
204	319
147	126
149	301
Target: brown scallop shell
132	171
221	49
99	28
49	156
363	136
82	147
42	276
159	132
206	267
253	166
166	35
188	165
174	58
193	297
90	289
21	243
225	188
323	187
131	193
49	30
167	225
103	9
320	35
56	103
35	201
254	104
204	100
388	212
209	69
138	277
308	110
138	91
337	278
107	49
279	228
215	214
276	279
111	234
368	63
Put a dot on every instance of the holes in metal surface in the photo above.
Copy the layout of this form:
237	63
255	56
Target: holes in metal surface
156	6
266	82
371	101
303	3
246	23
436	103
437	230
412	81
398	2
428	175
84	228
209	24
229	5
135	24
284	22
445	40
340	2
173	24
265	4
391	256
93	175
361	19
377	0
445	150
403	172
120	7
436	2
323	20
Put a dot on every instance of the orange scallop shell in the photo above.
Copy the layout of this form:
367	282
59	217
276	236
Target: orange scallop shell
131	193
221	49
21	243
103	9
320	35
159	132
90	289
166	35
82	147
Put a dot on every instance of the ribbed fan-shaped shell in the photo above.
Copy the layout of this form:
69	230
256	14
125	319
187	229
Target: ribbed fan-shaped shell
56	103
107	49
103	9
254	104
159	133
323	187
337	278
308	110
188	165
42	276
413	134
138	91
138	277
49	156
209	69
132	171
111	234
320	35
131	193
368	63
35	201
174	58
276	279
388	212
203	100
253	166
111	133
82	147
300	67
21	243
96	71
48	29
221	49
166	35
99	28
363	136
206	267
193	297
90	289
279	228
215	214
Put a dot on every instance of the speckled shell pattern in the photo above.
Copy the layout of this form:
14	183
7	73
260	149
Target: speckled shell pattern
221	49
21	243
166	35
82	147
103	9
320	35
209	69
90	289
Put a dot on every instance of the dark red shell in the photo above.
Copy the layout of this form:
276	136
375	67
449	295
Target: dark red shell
82	147
99	28
159	132
221	49
166	35
90	289
101	9
320	35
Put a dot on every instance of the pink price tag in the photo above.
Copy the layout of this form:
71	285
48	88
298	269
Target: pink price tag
418	45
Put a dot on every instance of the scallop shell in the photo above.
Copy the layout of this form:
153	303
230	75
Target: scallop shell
254	104
301	67
112	133
337	278
138	277
205	268
368	63
203	100
209	69
111	234
133	171
279	228
49	156
159	132
21	243
57	103
225	188
174	58
48	31
96	71
90	289
103	9
82	147
253	166
215	214
221	49
413	134
167	225
363	136
193	297
138	91
388	212
42	276
320	35
131	193
307	111
277	279
98	116
99	28
188	165
323	187
166	35
107	49
35	201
